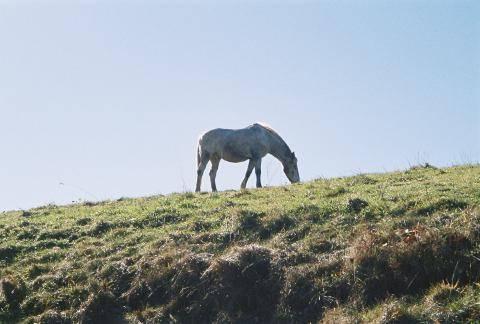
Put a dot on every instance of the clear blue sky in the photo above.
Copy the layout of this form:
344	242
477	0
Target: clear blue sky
109	97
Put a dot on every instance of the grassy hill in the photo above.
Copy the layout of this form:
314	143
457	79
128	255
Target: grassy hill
385	248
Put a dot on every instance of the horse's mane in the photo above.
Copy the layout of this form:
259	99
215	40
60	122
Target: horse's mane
274	133
268	127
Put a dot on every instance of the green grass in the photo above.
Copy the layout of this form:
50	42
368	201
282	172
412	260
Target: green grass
385	248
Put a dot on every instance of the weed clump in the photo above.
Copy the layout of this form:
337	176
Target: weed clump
159	218
299	295
443	293
222	239
310	289
244	284
151	282
33	305
55	234
12	293
8	253
53	317
394	313
419	167
83	221
37	270
410	263
100	228
118	276
336	192
187	291
201	226
28	233
443	204
100	307
276	225
362	179
246	221
356	205
26	213
91	203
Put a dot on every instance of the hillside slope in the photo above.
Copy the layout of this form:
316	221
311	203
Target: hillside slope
384	248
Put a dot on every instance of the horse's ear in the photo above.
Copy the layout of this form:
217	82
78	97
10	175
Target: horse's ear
293	154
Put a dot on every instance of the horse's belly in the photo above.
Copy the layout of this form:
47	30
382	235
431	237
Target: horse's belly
231	154
233	158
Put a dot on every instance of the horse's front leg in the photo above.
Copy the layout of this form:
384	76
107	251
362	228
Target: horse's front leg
213	173
258	172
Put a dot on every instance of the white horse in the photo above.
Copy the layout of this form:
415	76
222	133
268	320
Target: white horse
251	143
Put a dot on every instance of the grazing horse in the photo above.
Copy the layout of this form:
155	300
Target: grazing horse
237	145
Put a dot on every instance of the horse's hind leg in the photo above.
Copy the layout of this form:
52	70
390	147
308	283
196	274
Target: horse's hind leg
201	168
251	165
213	173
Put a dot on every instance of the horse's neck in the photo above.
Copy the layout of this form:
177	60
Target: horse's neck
278	147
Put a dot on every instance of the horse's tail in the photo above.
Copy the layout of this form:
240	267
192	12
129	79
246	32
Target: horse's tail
199	150
198	154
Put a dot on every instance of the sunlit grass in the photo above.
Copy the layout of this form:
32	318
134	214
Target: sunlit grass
374	247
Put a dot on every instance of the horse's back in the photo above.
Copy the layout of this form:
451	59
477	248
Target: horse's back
214	136
224	134
213	140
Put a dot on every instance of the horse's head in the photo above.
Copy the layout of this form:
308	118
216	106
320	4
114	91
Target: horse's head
291	169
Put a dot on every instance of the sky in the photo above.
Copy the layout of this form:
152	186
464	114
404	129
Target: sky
106	99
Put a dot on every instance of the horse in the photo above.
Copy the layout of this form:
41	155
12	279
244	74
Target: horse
237	145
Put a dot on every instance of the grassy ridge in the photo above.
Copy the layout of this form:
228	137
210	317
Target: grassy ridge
372	248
